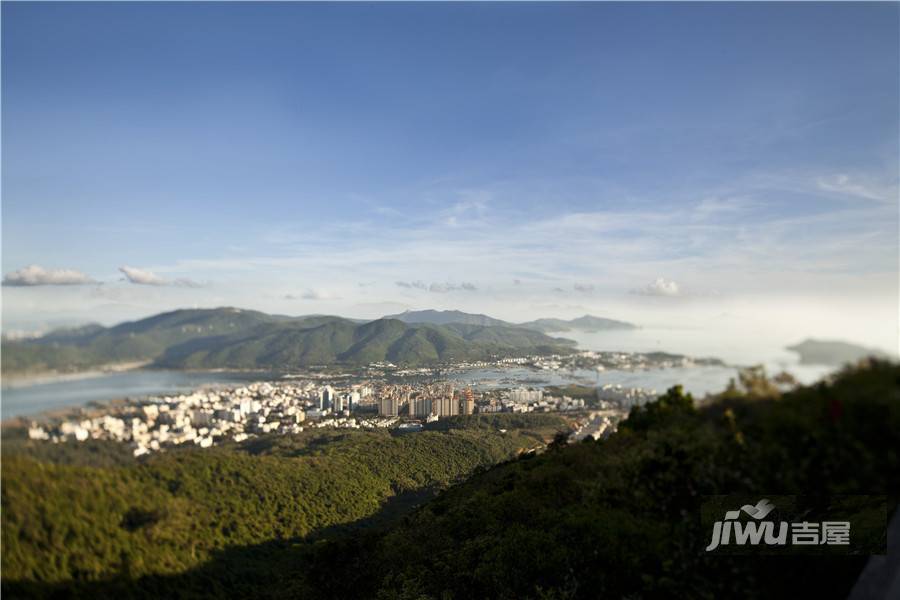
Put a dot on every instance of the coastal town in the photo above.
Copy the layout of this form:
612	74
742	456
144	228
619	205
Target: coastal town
214	415
379	395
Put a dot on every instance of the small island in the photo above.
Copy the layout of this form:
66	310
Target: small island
833	353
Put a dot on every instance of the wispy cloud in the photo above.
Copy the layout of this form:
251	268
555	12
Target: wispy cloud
705	237
470	208
34	275
858	187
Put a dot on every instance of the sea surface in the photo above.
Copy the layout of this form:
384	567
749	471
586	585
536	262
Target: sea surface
24	400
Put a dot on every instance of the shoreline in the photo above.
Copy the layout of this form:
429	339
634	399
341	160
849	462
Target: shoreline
628	377
21	380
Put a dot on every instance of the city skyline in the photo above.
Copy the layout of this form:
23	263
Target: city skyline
661	164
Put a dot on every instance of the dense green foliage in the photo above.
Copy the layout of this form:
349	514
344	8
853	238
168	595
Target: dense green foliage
70	521
22	357
614	518
146	339
543	427
618	518
232	338
338	341
90	453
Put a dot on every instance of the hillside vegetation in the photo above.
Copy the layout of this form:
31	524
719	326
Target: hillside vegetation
240	339
74	512
619	518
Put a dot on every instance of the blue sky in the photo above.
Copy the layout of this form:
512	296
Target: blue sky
517	158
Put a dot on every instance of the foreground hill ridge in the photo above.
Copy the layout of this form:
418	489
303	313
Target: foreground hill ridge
618	518
237	338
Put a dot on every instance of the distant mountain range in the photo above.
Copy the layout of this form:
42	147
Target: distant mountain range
235	338
441	317
833	353
585	323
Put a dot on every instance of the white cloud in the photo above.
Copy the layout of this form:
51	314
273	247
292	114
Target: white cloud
583	287
144	277
659	287
37	275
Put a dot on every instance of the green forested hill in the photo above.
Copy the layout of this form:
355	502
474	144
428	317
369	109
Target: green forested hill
233	338
65	519
342	342
619	518
146	339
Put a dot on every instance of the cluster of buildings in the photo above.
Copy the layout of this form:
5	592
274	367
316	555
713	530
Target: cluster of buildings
601	361
631	361
626	397
210	416
521	400
600	424
536	361
525	396
428	401
206	417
